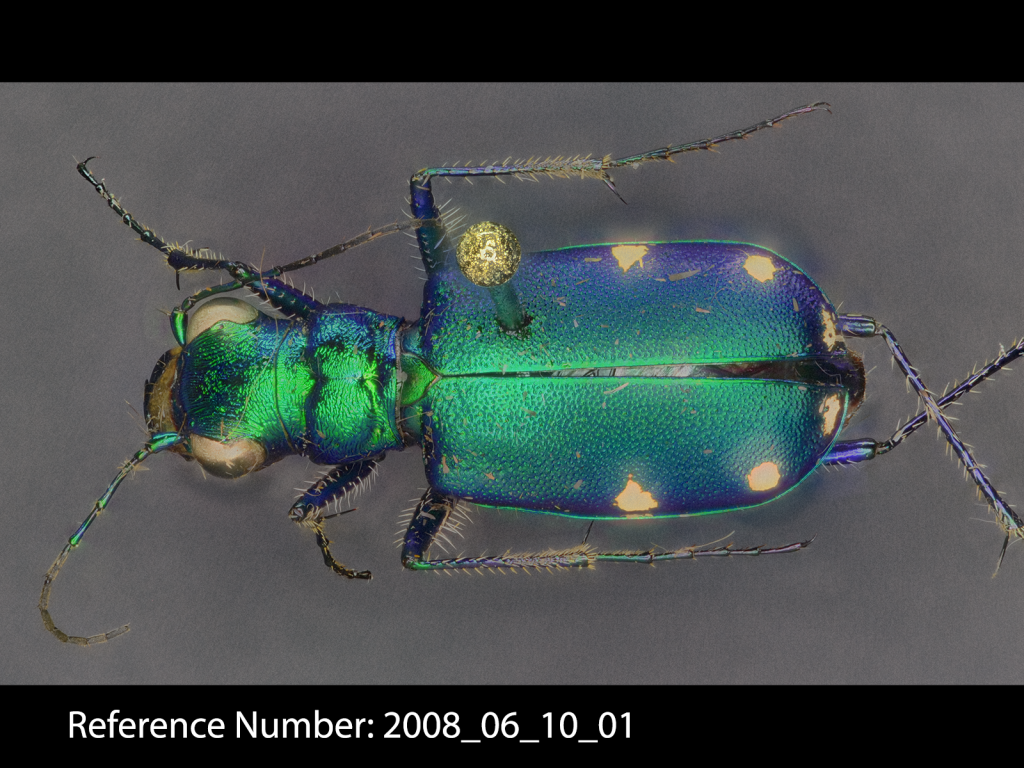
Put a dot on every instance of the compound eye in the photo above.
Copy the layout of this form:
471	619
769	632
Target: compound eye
231	459
217	310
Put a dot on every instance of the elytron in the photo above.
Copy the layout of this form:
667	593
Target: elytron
627	380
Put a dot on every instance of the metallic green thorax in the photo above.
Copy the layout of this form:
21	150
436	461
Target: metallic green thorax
325	388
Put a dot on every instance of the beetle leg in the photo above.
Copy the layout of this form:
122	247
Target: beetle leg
334	485
978	376
860	326
429	517
692	553
853	451
288	299
178	256
181	258
433	514
431	235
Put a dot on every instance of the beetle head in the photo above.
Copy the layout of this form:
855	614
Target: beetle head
221	455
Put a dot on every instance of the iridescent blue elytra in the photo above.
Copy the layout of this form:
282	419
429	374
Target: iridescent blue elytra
679	368
625	380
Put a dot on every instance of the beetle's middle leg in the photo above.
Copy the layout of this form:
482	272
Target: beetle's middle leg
308	510
860	326
433	515
433	229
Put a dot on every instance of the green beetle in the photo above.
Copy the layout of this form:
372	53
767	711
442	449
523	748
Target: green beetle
629	380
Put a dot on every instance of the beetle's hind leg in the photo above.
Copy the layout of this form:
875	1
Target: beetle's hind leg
967	385
854	451
651	556
308	510
433	515
860	326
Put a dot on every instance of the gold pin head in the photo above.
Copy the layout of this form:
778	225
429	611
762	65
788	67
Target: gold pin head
488	254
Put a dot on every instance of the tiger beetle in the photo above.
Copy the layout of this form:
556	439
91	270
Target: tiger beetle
632	380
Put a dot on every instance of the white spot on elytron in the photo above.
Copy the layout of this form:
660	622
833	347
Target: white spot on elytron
760	268
763	477
829	336
830	408
634	498
628	255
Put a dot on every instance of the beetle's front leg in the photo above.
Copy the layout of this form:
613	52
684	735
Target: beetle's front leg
334	485
263	283
179	257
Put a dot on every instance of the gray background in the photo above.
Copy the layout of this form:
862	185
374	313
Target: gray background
904	204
